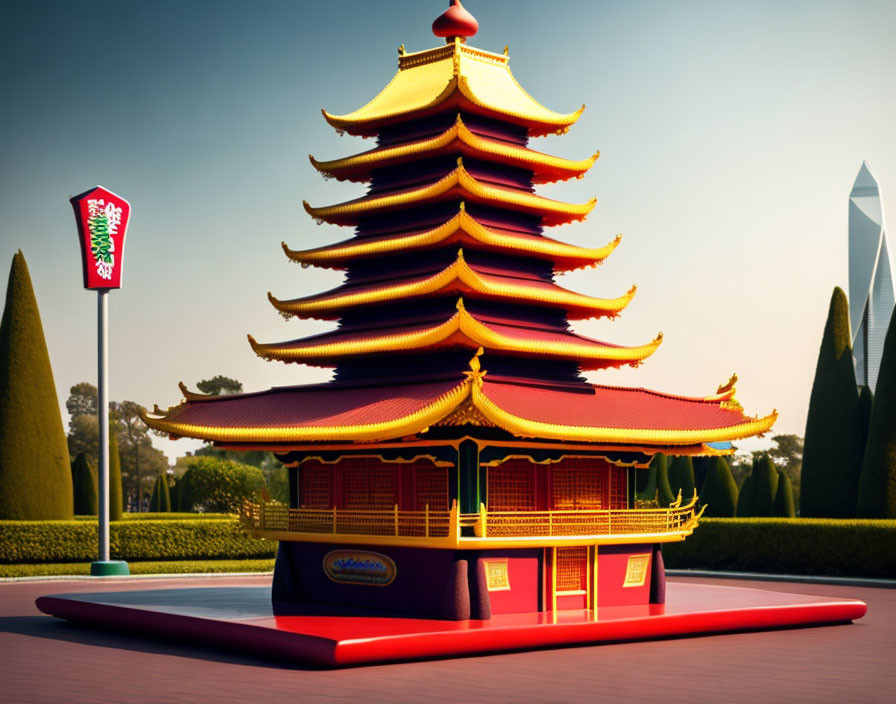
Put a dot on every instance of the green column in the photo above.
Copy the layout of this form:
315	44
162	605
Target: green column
468	477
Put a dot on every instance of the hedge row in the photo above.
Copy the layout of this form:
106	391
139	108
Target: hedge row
810	546
73	541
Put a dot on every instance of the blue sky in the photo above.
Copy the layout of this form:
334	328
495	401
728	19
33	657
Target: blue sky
730	134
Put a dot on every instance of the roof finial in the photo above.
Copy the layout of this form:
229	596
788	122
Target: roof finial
455	23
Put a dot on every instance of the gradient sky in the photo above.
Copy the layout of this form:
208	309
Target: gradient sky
730	134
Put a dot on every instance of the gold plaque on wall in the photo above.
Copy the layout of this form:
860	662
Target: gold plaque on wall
636	570
497	577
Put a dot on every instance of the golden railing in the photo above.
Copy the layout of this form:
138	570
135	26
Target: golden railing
407	524
512	524
444	527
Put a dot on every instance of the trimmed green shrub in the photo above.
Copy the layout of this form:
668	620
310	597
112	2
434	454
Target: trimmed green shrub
763	487
664	493
645	483
719	492
832	455
784	498
71	541
161	496
702	466
84	486
35	469
212	484
866	401
115	499
877	488
681	477
835	547
745	497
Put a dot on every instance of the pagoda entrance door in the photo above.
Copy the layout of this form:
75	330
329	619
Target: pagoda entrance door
572	577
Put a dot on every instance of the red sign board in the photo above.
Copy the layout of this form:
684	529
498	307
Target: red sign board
102	220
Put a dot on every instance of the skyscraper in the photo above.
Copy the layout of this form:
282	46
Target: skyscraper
871	293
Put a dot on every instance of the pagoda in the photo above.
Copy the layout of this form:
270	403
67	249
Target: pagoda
458	464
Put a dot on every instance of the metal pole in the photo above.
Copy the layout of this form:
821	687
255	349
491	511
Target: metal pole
103	412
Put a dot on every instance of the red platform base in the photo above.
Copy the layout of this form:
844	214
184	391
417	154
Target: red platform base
241	618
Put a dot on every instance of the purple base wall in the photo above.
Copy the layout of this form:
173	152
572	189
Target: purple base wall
435	583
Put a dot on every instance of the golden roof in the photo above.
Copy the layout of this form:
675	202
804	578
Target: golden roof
457	184
461	329
460	229
458	137
457	277
455	75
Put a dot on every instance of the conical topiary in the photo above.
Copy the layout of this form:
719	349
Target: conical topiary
161	496
702	466
745	497
877	487
35	469
681	477
664	495
866	401
115	502
784	498
719	492
84	486
763	487
645	487
832	455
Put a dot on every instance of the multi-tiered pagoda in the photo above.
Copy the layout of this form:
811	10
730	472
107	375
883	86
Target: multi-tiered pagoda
458	464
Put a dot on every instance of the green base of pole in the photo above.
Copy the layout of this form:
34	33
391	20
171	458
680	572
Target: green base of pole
109	568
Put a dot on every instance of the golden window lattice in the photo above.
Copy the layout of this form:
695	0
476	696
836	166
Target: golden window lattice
511	487
572	569
576	484
431	488
368	484
618	488
314	487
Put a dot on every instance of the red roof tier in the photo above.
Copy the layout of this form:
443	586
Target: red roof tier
463	330
464	230
584	413
457	139
459	278
458	184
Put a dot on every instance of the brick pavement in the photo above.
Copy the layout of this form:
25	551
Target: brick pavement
47	660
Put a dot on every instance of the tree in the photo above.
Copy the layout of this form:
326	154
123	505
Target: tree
866	402
832	458
84	486
84	435
877	486
681	477
83	400
763	487
645	483
745	497
140	461
214	485
115	503
787	454
784	506
35	470
161	496
664	493
219	386
719	492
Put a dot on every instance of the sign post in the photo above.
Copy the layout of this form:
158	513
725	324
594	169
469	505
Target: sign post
102	219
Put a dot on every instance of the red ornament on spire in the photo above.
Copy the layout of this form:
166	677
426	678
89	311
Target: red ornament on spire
455	22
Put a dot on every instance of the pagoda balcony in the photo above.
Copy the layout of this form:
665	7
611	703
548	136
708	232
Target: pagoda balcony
485	529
